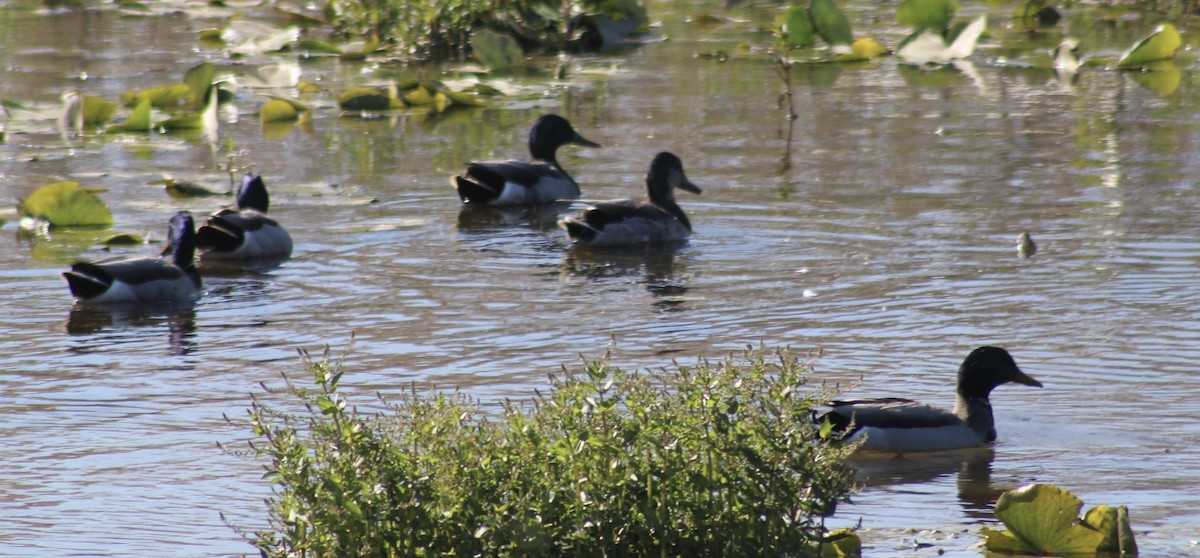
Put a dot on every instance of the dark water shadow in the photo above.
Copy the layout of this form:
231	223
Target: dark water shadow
976	493
179	318
239	268
482	219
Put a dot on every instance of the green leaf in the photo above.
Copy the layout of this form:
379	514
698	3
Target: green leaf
123	239
796	28
926	14
1126	542
1159	45
1046	518
169	96
198	79
419	97
464	99
841	542
367	98
278	111
1029	9
317	46
66	204
97	110
830	23
868	48
138	121
497	51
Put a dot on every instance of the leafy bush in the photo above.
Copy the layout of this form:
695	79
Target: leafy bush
443	28
716	459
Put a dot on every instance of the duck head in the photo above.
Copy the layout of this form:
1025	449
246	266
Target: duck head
551	132
987	368
181	240
666	174
252	194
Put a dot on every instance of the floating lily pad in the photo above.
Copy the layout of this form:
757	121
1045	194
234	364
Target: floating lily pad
169	96
186	189
369	99
497	51
308	87
796	27
841	543
199	79
830	23
65	204
868	48
97	111
1159	45
926	14
278	111
1044	520
138	121
464	99
124	239
317	46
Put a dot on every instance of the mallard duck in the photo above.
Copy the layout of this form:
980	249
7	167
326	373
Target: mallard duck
513	182
171	277
245	232
626	222
893	424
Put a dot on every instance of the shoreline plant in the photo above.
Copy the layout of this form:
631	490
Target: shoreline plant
720	458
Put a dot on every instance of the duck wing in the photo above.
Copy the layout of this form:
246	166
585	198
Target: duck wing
514	182
891	412
90	280
242	234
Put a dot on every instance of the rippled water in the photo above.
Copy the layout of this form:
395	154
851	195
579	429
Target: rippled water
882	234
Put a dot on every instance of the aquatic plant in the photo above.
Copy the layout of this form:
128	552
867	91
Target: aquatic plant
65	203
715	459
1043	519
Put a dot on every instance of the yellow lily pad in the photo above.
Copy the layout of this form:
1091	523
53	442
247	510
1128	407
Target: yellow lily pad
97	110
169	96
278	111
465	99
367	98
199	79
66	204
419	96
868	48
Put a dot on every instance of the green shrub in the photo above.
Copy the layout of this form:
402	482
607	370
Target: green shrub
442	28
716	459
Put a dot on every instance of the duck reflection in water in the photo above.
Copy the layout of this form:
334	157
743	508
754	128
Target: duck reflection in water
660	269
489	219
92	321
976	492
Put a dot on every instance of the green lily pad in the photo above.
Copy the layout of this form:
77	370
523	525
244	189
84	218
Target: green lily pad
926	14
168	96
65	204
464	99
369	99
278	111
97	111
420	96
211	36
830	23
1044	519
317	46
796	27
186	189
841	543
1159	45
138	121
198	79
1160	76
497	51
124	239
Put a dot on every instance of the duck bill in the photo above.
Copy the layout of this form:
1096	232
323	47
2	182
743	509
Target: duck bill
687	185
580	140
1025	380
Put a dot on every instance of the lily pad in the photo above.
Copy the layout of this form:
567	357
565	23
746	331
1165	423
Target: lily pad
97	111
497	51
830	23
186	189
841	542
926	14
369	99
317	46
1159	45
199	79
124	239
868	48
464	99
1044	519
278	111
138	121
169	96
65	204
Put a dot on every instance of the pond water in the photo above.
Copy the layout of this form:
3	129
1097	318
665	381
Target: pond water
880	228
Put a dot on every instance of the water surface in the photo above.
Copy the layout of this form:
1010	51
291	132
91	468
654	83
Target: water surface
881	233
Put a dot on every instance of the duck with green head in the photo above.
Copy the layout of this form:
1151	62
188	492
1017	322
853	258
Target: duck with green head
171	277
246	232
515	182
893	424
